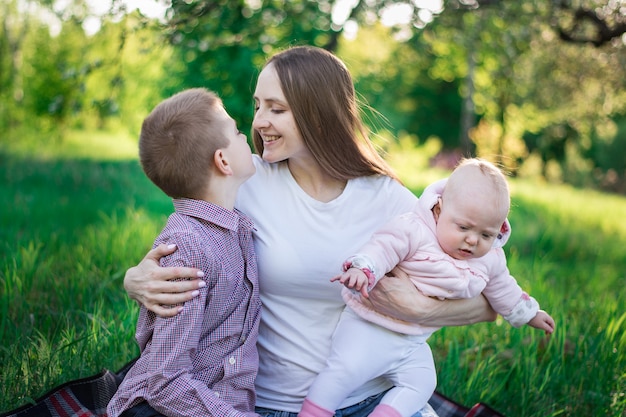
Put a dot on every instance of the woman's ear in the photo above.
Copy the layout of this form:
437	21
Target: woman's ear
221	162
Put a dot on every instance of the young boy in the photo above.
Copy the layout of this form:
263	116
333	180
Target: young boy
203	361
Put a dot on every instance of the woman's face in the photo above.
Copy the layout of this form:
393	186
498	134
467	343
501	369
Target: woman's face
274	121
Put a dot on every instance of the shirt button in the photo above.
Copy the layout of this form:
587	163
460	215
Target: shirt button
231	360
217	394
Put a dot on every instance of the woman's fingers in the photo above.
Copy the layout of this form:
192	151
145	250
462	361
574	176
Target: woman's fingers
162	290
165	311
165	288
160	251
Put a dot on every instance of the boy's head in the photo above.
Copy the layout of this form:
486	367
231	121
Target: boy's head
472	209
179	140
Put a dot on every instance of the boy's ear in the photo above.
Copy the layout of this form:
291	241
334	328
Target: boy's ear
221	162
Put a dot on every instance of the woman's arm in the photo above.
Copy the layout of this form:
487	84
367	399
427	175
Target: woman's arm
397	297
151	284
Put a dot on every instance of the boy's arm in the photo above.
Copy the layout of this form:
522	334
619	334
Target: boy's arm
174	341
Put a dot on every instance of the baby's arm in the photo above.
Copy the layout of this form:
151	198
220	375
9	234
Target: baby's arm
395	242
354	278
503	288
542	321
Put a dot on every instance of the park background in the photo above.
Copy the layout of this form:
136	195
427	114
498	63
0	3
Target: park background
536	86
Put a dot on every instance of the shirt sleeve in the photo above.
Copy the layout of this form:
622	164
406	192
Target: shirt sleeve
393	243
505	295
175	340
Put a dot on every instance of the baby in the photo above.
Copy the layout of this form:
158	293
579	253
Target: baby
450	247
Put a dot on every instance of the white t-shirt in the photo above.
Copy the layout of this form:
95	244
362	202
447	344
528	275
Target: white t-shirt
300	244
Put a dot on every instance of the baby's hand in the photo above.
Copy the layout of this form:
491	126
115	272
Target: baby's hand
542	321
353	278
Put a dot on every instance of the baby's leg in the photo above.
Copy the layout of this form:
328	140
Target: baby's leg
360	352
414	378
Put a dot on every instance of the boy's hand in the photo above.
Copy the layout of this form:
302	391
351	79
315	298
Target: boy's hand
542	321
353	278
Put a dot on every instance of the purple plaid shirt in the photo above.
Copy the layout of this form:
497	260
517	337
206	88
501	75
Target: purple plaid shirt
202	362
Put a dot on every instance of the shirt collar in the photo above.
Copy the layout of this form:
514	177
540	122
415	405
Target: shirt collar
213	213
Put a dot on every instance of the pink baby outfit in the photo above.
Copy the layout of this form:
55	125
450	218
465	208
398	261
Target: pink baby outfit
408	245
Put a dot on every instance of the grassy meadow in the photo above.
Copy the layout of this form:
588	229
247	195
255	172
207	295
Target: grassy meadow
77	212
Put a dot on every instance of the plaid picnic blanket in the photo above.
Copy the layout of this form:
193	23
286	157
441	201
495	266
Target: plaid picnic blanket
88	397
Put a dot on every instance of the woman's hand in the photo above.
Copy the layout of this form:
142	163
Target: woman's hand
151	284
396	296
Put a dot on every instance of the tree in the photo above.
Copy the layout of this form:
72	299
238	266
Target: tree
55	75
593	22
15	27
532	91
520	78
224	43
135	70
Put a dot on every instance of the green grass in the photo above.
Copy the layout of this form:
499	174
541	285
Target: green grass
73	219
77	213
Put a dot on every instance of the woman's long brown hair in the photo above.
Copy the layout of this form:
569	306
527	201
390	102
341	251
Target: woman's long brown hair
320	92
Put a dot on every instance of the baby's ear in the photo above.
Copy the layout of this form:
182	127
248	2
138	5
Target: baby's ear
503	234
437	209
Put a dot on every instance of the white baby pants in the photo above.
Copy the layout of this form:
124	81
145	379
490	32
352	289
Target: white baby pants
362	351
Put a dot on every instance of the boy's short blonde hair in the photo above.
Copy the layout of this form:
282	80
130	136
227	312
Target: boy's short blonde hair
178	140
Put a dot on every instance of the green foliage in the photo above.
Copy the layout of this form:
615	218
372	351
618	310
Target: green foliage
69	79
498	73
137	70
608	148
394	79
54	78
223	44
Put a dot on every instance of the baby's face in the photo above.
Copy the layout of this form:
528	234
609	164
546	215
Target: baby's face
467	228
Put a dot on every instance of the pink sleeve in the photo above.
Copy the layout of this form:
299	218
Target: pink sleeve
393	243
504	293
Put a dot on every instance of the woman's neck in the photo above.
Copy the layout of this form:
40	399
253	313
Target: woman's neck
314	181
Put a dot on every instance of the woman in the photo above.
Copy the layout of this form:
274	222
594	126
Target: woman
319	192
